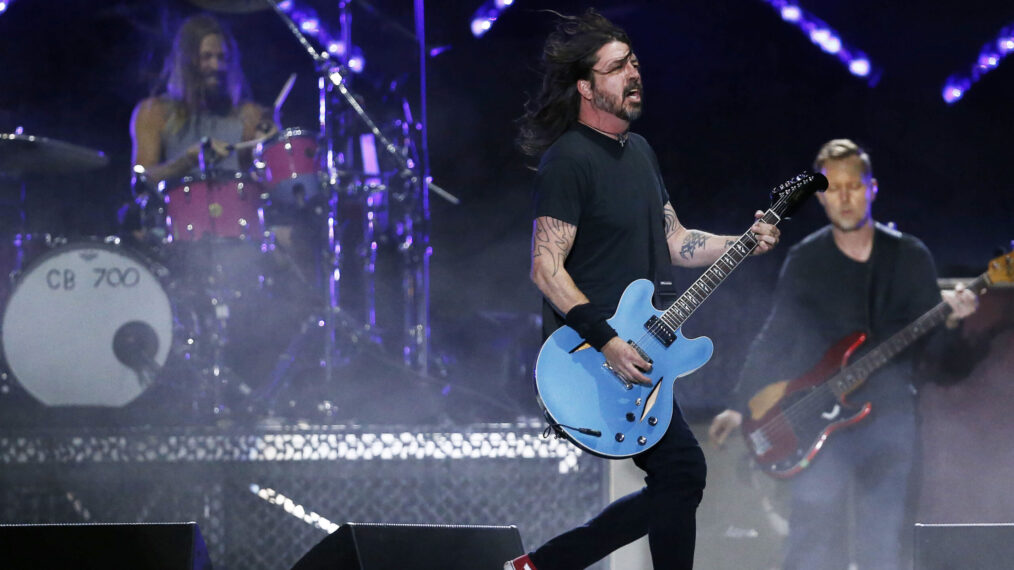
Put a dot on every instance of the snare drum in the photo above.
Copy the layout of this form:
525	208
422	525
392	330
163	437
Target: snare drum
88	323
223	204
289	166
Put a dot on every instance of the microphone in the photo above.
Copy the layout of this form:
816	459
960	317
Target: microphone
135	345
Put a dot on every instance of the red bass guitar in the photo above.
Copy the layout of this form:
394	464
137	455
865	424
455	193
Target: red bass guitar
788	421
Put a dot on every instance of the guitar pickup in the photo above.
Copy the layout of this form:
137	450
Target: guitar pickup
660	331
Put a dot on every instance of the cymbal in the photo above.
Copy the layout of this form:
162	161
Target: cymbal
26	154
233	6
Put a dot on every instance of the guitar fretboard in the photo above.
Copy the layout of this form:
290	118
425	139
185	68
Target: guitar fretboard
853	375
788	194
705	285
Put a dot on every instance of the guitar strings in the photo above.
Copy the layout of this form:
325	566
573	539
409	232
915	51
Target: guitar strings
805	406
663	322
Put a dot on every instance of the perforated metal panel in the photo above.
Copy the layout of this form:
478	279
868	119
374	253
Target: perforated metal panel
486	474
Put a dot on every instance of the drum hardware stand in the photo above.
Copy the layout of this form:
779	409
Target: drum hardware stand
220	381
415	243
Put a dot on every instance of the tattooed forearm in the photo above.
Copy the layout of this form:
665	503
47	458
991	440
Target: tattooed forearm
729	243
693	241
552	239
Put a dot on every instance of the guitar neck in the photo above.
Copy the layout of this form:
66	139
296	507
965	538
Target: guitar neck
853	375
705	285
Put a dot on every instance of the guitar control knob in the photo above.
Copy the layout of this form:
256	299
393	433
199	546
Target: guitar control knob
630	416
652	421
619	437
642	440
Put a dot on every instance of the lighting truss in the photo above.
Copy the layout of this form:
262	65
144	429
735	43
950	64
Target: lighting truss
827	39
989	58
306	18
486	15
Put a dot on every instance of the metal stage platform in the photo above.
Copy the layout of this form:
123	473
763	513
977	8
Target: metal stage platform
264	496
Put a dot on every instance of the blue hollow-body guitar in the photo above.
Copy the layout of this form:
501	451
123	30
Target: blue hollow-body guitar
586	402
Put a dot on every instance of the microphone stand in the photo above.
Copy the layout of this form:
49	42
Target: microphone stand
415	245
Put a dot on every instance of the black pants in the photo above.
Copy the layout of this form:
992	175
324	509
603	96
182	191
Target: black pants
665	510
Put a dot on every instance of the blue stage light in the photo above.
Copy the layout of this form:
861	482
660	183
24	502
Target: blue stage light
860	67
356	60
481	25
791	13
826	38
955	89
990	56
485	16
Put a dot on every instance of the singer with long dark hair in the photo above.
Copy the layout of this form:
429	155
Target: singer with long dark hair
602	220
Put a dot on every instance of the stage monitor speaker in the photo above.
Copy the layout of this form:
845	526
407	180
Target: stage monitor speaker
964	546
140	546
368	546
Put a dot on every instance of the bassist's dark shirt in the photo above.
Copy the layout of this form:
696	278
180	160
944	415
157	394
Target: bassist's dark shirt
823	296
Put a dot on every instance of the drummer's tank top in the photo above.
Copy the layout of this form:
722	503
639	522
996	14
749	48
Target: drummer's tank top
226	128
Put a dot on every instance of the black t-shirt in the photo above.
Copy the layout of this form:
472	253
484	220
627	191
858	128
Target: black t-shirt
615	197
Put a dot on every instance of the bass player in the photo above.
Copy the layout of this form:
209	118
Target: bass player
852	275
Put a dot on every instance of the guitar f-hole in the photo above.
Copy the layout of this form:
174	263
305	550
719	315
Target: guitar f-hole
650	403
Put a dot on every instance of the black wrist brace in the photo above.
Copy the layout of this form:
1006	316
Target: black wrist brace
590	324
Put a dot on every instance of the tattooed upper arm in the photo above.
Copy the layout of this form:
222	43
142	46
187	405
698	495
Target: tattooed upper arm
551	242
672	223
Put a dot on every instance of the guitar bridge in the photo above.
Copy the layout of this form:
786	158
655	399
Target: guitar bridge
640	352
626	383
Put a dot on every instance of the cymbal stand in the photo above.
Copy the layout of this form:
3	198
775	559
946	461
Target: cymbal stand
341	150
21	235
334	78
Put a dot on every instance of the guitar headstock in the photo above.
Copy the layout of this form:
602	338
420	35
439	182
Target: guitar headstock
1001	269
787	196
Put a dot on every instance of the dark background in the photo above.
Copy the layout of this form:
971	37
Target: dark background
736	101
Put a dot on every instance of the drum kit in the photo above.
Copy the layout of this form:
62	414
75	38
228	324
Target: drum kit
94	321
229	278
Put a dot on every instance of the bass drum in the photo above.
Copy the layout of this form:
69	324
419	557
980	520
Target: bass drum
87	324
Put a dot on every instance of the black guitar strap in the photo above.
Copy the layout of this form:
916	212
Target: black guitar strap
665	289
882	273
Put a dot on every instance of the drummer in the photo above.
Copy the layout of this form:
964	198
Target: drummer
205	106
203	101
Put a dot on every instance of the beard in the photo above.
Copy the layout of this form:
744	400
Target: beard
216	99
618	106
215	94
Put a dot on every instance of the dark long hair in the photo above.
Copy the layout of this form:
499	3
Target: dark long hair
569	54
181	74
